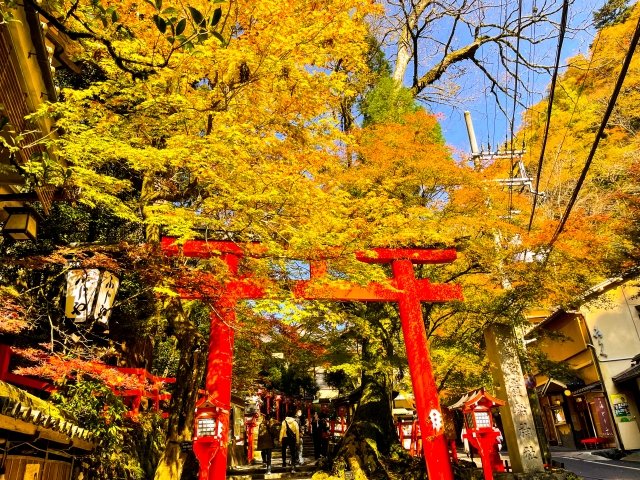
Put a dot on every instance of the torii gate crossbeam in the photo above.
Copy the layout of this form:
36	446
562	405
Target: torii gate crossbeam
403	288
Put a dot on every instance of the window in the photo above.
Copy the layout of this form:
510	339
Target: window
558	416
206	427
483	420
470	423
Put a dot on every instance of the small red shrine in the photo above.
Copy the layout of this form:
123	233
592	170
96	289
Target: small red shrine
479	430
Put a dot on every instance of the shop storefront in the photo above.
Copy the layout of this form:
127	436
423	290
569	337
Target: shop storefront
572	415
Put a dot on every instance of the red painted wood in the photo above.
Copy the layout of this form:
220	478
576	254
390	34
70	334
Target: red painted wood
218	383
422	256
208	249
436	451
376	292
218	380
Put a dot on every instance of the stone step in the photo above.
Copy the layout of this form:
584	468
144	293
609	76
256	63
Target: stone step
272	476
258	472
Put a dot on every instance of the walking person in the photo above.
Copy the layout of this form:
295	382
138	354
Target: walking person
300	422
290	438
316	433
324	435
267	434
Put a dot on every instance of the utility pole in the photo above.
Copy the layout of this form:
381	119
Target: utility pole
522	180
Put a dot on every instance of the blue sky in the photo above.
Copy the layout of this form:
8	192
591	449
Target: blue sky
490	122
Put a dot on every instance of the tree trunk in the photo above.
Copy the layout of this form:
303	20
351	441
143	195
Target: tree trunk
185	392
370	447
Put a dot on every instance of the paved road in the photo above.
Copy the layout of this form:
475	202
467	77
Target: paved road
599	468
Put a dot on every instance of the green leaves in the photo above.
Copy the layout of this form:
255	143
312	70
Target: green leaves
215	18
168	17
111	13
160	23
182	24
152	4
218	37
197	17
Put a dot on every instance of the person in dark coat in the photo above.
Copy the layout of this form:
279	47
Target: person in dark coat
316	433
324	435
300	422
268	432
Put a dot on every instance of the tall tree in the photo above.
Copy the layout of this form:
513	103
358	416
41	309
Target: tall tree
437	41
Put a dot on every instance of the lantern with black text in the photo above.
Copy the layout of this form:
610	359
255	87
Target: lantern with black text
90	295
268	396
210	430
479	430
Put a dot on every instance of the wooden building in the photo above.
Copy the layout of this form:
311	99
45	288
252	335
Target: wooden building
37	441
30	51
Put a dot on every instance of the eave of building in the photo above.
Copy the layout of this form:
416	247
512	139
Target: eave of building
592	292
24	413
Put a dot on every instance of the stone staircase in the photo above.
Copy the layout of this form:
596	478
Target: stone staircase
258	471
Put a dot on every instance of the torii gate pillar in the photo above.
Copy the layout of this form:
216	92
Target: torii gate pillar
436	451
218	380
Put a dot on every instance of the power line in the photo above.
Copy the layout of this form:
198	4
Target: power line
575	105
554	79
515	103
603	125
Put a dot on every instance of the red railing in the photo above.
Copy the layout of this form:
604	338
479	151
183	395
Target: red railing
132	398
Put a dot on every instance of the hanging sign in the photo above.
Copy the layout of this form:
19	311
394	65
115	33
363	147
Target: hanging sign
186	446
90	295
602	414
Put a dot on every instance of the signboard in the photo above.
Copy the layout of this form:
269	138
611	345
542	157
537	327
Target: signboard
603	416
186	446
206	427
31	471
620	407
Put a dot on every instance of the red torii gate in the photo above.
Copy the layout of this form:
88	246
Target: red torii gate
403	288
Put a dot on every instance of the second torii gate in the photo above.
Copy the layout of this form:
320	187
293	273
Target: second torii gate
403	288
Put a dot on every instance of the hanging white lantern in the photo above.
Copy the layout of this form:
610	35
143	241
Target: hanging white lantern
90	295
109	284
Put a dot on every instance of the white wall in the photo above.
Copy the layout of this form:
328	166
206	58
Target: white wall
619	323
